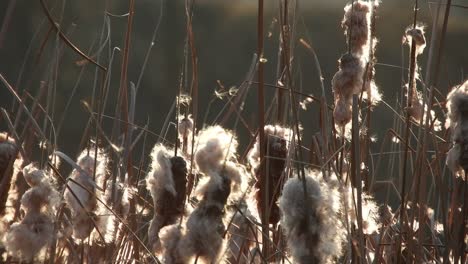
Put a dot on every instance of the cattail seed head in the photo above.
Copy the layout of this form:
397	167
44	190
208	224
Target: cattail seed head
84	205
8	153
215	145
342	112
216	158
276	146
356	23
457	121
313	229
167	184
346	82
185	127
170	238
416	34
25	239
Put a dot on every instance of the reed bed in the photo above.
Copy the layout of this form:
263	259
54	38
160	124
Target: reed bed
206	195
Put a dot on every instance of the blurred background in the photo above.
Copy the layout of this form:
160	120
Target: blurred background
225	39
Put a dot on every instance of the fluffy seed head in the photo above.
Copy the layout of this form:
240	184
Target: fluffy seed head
25	239
346	82
215	157
185	126
457	121
457	106
276	146
84	206
215	145
313	228
277	141
170	238
8	152
167	184
356	21
416	34
160	176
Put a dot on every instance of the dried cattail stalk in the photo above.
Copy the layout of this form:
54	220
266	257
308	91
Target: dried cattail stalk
457	121
215	157
276	145
313	228
84	206
167	183
34	232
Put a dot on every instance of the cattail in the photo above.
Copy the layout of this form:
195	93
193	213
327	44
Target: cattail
346	82
105	220
313	228
457	121
170	238
416	34
356	23
167	183
34	232
215	145
385	215
276	145
8	155
352	77
416	111
84	205
185	133
215	157
14	186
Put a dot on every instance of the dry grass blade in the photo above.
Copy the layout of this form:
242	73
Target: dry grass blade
65	39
